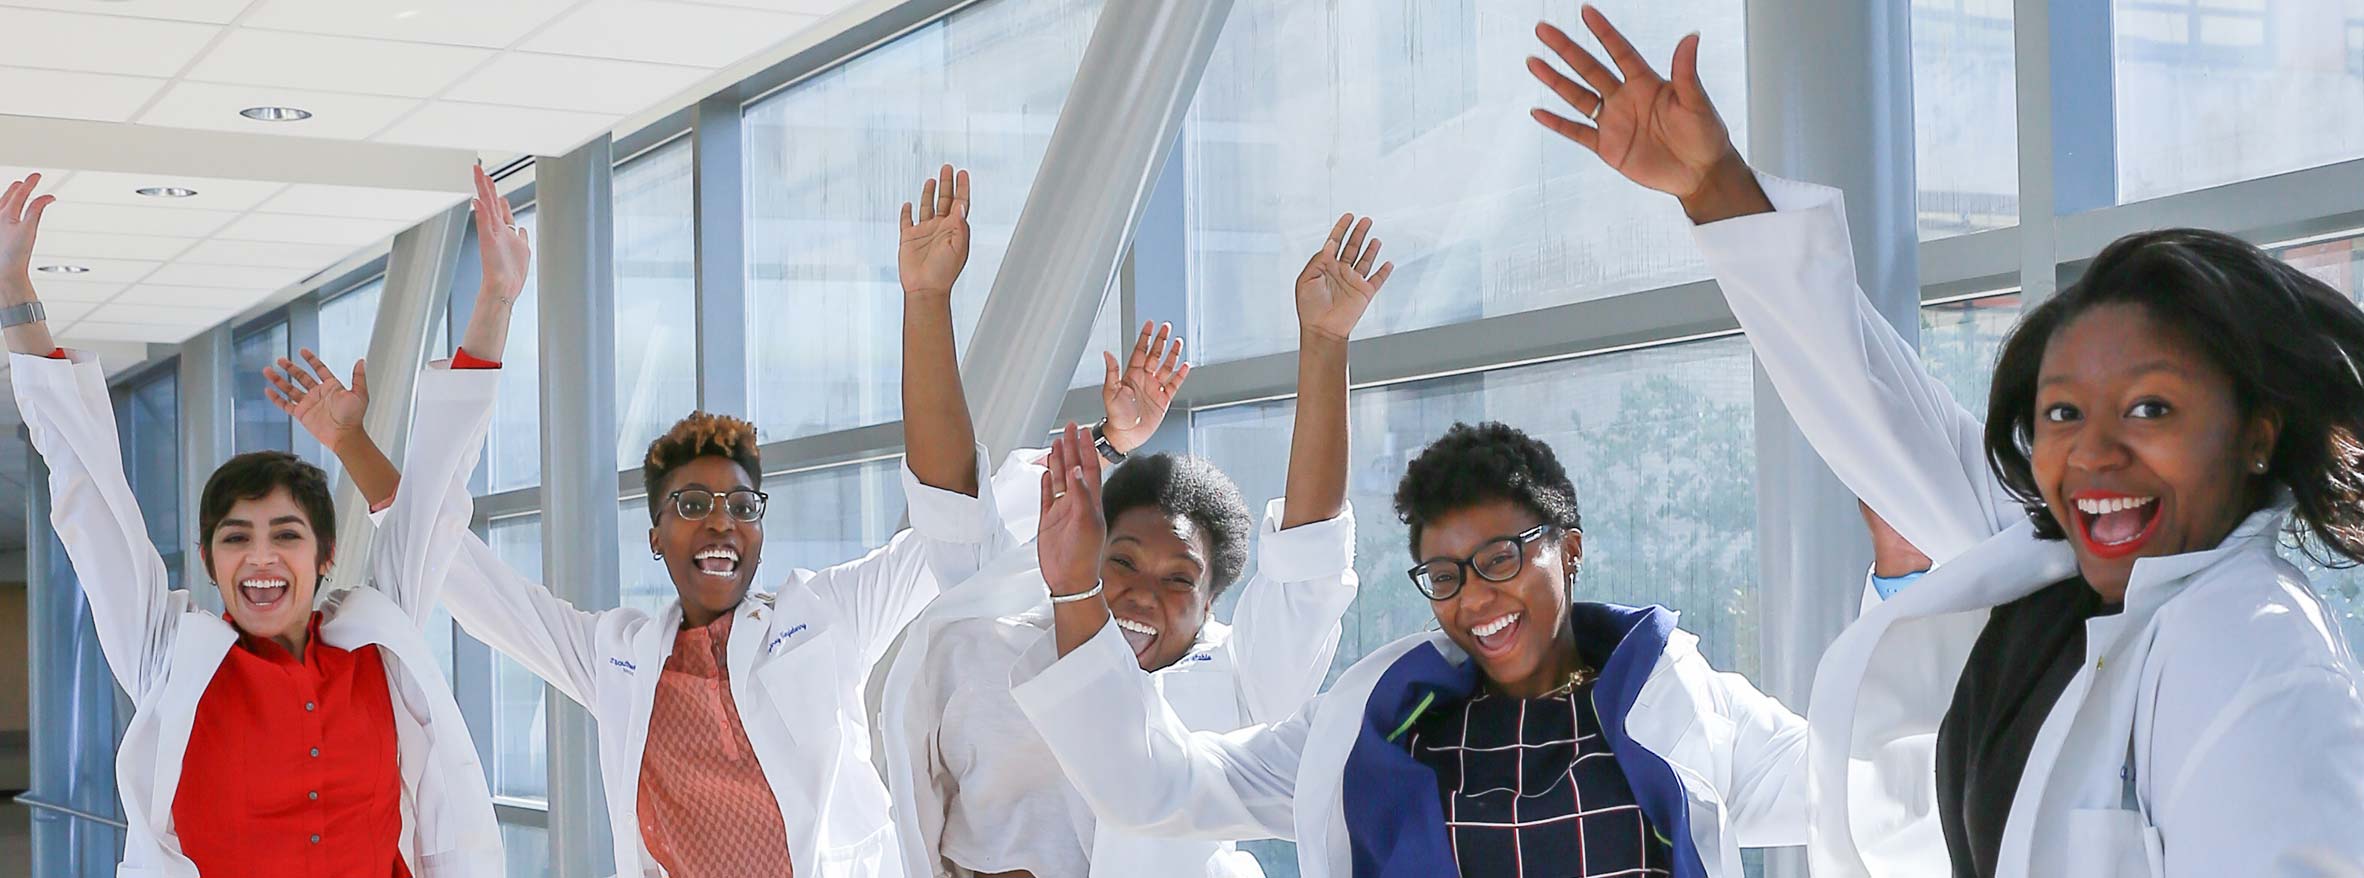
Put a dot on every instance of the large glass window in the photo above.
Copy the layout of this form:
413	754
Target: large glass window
258	424
656	298
1660	445
346	323
830	161
2213	91
1483	211
513	453
147	423
520	735
1965	116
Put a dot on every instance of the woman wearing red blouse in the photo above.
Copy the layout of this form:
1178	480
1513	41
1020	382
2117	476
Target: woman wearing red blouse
287	736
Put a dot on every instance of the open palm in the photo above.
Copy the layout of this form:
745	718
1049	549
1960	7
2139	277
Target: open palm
20	223
1661	133
326	408
1071	535
935	242
503	247
1138	397
1339	282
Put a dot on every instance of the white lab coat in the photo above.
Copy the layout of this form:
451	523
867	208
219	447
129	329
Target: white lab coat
797	655
1737	752
1260	669
2224	691
164	648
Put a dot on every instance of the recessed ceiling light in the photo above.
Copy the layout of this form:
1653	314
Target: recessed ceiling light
65	269
276	114
167	191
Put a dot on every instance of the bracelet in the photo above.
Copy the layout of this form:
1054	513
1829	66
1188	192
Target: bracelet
19	315
1093	592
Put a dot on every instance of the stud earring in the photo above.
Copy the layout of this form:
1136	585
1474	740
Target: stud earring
2259	466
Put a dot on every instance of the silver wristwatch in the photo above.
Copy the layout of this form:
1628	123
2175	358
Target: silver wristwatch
19	315
1106	448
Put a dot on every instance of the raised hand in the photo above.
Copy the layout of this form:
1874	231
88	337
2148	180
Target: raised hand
327	409
1137	397
506	253
1339	281
20	221
936	244
1662	133
1071	536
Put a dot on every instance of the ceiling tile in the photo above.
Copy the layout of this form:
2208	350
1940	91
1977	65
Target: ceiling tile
565	82
51	178
132	47
801	7
73	291
346	64
92	330
477	126
102	97
319	199
215	106
196	319
54	243
665	33
309	229
245	277
229	298
106	187
448	22
75	216
101	271
62	311
270	254
207	11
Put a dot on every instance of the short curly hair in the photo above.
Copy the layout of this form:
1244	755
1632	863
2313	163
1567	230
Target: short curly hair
701	434
1492	461
1188	486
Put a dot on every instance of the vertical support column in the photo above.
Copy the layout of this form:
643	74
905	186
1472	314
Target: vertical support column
718	172
418	280
1830	100
207	420
1158	271
48	683
2068	136
578	353
1131	92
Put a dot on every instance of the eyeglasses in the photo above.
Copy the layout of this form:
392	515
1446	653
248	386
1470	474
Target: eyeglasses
742	504
1499	560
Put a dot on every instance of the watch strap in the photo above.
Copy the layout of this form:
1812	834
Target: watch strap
1100	441
19	315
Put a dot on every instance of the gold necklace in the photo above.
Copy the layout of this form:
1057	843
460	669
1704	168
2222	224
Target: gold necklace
1578	677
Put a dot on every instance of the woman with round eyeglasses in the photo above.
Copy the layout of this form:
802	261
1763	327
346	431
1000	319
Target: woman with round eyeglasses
1533	733
733	734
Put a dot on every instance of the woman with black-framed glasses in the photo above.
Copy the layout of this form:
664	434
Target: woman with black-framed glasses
1532	734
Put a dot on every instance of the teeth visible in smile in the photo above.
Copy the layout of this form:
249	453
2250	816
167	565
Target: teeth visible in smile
263	583
1135	627
2107	505
1495	627
717	561
719	552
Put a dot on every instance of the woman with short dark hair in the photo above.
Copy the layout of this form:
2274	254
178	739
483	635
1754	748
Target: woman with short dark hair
2111	671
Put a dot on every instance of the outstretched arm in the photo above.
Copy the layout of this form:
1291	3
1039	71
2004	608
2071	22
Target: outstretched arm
508	258
939	441
20	223
1333	291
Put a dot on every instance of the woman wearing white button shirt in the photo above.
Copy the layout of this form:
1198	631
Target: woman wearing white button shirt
2111	672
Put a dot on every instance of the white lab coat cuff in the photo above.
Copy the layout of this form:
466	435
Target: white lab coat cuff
440	381
1315	550
1041	688
947	516
1794	203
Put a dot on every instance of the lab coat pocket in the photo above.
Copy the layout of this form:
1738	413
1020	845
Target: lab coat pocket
2112	843
865	857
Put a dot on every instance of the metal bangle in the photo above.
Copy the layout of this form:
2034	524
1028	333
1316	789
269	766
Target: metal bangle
19	315
1093	592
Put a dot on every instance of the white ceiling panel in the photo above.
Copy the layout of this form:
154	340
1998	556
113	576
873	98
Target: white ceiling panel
271	254
523	129
802	7
61	94
379	67
261	279
74	291
355	201
100	271
75	216
102	187
665	33
491	25
63	312
207	11
563	82
215	106
195	319
309	229
93	330
56	243
51	179
130	46
188	297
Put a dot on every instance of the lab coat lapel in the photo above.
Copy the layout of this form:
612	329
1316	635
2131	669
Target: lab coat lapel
650	649
197	654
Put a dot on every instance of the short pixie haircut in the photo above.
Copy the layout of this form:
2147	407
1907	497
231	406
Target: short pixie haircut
2289	343
701	434
1188	487
253	476
1470	465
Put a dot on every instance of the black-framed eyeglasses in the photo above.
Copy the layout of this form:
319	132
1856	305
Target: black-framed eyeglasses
743	504
1499	560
